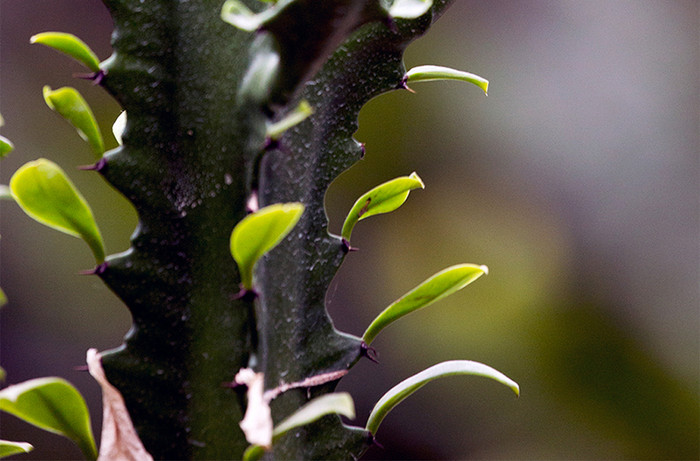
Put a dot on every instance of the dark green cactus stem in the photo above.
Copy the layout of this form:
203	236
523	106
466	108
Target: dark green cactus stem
193	154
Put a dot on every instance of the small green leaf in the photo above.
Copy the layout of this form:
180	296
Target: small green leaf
71	105
407	387
6	146
336	403
8	448
3	301
45	193
70	45
258	233
407	9
430	73
382	199
253	453
52	404
298	115
440	285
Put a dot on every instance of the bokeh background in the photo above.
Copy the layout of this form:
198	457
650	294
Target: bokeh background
575	181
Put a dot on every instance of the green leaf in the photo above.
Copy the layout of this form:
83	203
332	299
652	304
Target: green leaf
407	9
45	193
440	285
8	448
52	404
337	403
3	301
430	73
258	233
407	387
298	115
70	45
6	146
382	199
71	105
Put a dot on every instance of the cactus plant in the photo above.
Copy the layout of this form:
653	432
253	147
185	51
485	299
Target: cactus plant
243	110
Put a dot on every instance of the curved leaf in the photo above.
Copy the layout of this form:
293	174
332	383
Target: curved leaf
407	387
52	404
295	117
258	233
382	199
44	192
70	45
8	448
73	107
408	9
337	403
6	146
236	13
430	73
440	285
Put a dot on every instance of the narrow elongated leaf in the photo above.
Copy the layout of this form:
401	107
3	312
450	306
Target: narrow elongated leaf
45	193
382	199
73	107
52	404
8	448
431	73
336	403
6	146
258	233
408	9
440	285
70	45
339	403
298	115
407	387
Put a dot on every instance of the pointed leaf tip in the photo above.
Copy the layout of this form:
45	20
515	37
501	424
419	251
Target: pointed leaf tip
70	45
431	73
439	286
384	198
259	233
44	192
450	368
71	105
8	448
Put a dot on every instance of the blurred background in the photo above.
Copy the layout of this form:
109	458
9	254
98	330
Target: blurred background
575	181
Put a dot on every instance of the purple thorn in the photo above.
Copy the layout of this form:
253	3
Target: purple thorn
81	368
391	24
246	295
101	163
369	352
346	246
95	77
373	441
98	270
363	150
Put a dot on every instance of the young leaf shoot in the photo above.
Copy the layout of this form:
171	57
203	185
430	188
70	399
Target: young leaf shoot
431	73
258	233
71	105
440	285
52	404
70	45
407	387
44	192
295	117
8	448
408	9
382	199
